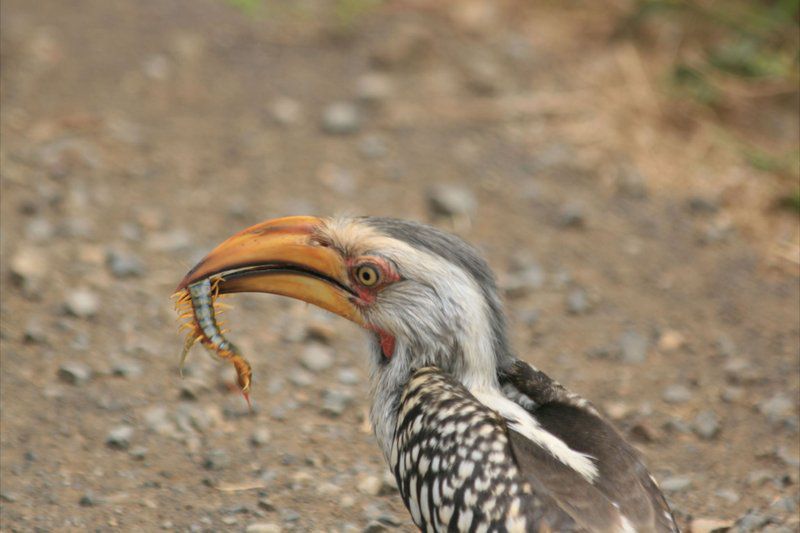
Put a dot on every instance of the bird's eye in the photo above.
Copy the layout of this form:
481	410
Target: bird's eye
368	275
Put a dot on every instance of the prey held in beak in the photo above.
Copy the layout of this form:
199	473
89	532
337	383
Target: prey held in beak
278	256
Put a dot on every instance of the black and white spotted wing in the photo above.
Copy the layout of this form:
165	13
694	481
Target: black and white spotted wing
460	467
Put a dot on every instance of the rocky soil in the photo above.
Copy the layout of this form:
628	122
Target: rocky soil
639	263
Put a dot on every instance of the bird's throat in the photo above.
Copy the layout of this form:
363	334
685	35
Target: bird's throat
387	342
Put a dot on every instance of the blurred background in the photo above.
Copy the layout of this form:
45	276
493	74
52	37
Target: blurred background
629	167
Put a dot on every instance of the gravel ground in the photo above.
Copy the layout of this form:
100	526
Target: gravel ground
135	136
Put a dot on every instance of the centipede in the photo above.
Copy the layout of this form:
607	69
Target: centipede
198	306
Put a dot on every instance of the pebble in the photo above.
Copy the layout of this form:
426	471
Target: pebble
374	87
126	368
483	76
286	111
300	378
317	357
124	264
28	269
633	347
725	346
729	495
341	118
709	525
700	205
631	182
9	497
349	376
263	527
335	402
676	393
451	200
75	373
670	341
676	484
216	460
120	437
706	424
373	147
35	332
374	526
524	280
577	301
39	230
778	408
82	303
571	215
260	437
752	521
739	370
732	394
88	500
157	420
369	485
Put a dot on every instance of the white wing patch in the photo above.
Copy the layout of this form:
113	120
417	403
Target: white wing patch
523	423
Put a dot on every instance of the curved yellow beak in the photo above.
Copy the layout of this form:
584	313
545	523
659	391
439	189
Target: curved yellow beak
279	256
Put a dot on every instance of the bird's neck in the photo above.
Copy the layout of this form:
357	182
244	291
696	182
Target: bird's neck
389	377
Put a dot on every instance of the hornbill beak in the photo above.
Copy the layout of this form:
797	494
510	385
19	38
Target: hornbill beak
280	256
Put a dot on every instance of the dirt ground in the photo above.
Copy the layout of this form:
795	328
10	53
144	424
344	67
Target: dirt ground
642	264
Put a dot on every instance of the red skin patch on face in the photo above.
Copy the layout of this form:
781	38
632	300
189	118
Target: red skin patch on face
368	295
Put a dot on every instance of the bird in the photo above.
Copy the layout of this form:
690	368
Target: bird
477	438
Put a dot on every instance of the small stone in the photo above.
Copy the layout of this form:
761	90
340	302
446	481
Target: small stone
374	87
266	505
322	332
706	425
374	526
633	347
138	453
732	394
88	500
451	200
35	332
120	437
229	520
75	373
341	118
483	76
126	368
524	280
316	357
169	241
700	205
216	460
124	264
28	269
710	525
752	521
286	111
729	495
631	182
335	402
157	420
372	147
670	341
756	478
572	215
300	378
349	376
740	371
338	179
369	485
260	437
39	230
577	302
676	484
263	527
82	303
676	393
777	409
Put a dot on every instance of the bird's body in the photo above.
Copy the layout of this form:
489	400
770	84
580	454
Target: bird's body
478	440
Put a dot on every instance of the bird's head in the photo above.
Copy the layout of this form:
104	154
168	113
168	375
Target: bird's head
426	296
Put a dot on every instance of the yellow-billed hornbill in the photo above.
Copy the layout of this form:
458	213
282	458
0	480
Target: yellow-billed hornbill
478	440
